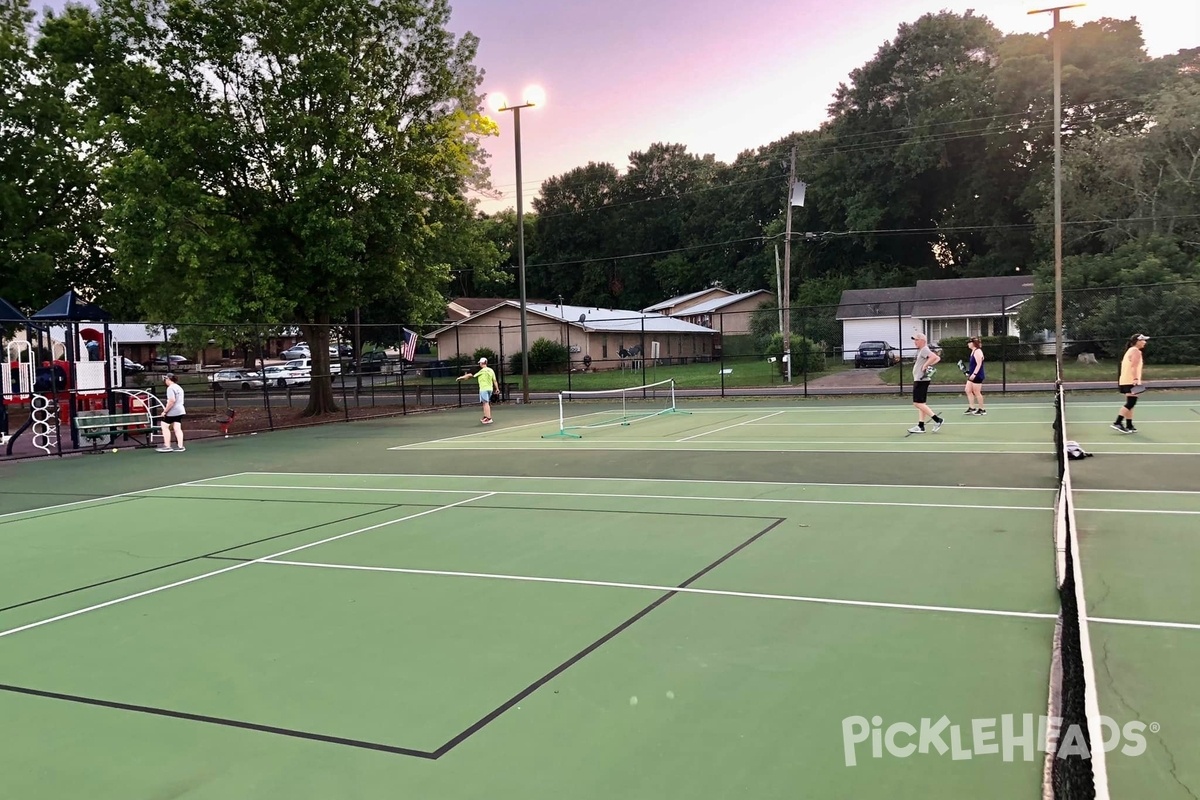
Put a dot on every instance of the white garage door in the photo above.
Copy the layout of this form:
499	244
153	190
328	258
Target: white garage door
857	331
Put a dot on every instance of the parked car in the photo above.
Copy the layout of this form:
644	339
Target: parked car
235	379
129	365
876	354
305	365
168	362
296	351
373	361
281	375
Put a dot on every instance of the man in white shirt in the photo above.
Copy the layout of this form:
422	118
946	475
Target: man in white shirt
922	375
173	416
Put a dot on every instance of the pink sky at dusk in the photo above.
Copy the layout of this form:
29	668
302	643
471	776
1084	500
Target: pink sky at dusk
718	76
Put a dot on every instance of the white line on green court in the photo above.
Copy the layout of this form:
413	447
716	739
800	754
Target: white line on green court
123	494
900	448
723	593
540	478
654	588
903	405
974	424
484	433
729	427
618	496
240	565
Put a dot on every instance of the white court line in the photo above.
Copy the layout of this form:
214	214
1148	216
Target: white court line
502	446
1135	511
1142	623
540	478
975	424
684	590
492	431
690	498
240	565
122	494
892	403
728	427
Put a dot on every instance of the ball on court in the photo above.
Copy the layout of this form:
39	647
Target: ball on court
116	450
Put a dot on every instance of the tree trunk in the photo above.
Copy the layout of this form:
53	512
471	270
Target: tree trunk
320	393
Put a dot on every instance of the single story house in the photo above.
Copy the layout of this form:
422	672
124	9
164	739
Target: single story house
608	338
729	315
939	308
674	306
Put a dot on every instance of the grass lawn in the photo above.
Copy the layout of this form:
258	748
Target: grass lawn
1043	370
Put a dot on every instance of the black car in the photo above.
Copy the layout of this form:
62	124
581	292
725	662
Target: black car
373	361
876	354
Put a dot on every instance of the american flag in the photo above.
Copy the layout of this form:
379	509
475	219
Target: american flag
409	351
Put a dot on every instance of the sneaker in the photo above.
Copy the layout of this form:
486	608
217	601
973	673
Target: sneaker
1131	429
164	449
937	424
981	412
486	420
180	449
970	411
1117	428
916	429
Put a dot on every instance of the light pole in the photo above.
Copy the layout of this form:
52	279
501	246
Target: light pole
1056	40
533	96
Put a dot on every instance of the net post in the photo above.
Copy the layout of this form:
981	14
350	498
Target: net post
562	432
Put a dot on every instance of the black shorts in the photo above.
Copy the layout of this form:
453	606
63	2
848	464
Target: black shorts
175	418
975	380
1125	388
920	391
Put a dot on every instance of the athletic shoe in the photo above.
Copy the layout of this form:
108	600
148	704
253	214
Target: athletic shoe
487	421
970	411
1117	428
916	429
981	412
1131	429
937	425
181	449
165	450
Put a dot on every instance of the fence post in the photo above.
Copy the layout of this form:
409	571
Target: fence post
721	333
643	353
900	334
1004	347
804	350
262	373
567	325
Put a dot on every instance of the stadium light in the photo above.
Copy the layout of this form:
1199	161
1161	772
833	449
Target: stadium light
532	97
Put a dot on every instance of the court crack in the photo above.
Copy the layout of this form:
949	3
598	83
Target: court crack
1112	685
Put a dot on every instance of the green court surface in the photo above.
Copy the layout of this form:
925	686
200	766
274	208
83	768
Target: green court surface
740	600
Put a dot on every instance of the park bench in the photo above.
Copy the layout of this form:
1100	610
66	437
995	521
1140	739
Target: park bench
94	427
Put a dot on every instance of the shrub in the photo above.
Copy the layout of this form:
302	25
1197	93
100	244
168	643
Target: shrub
995	348
547	355
514	363
807	355
489	354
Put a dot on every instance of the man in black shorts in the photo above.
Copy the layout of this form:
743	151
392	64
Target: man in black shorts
922	375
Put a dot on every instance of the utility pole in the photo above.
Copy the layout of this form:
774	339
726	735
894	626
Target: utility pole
1056	40
786	289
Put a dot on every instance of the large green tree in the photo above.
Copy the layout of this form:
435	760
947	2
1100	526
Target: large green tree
51	235
290	160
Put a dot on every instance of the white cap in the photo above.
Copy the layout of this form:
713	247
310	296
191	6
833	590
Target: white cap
483	361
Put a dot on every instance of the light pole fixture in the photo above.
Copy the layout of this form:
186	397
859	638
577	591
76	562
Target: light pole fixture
532	97
1056	40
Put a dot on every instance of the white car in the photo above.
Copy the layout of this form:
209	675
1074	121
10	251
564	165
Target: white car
235	379
280	375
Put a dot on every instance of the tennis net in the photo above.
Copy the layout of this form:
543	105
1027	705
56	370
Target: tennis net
1076	768
614	407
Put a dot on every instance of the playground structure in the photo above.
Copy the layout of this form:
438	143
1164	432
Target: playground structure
68	367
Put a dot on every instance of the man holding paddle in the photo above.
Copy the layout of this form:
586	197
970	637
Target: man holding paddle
1130	382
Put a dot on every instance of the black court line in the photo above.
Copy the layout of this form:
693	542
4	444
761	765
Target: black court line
564	666
362	744
196	558
32	512
229	723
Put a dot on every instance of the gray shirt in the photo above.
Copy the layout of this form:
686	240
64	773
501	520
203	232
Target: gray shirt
175	392
920	363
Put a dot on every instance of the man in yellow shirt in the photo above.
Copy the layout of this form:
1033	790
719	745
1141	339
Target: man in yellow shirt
487	388
1129	381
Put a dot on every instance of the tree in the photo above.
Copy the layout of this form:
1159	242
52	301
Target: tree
51	236
290	161
1148	284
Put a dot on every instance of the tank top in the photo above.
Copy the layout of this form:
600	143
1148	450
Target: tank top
1127	373
973	363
